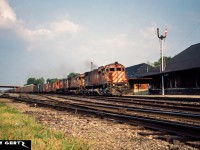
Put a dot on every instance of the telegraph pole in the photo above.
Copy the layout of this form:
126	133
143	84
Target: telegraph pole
91	66
161	37
91	75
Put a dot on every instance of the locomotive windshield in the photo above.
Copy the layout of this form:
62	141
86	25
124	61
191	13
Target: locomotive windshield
118	69
112	69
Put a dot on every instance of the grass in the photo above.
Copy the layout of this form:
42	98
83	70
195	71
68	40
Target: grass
17	126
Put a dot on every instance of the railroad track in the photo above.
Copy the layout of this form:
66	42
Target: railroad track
132	110
154	103
185	132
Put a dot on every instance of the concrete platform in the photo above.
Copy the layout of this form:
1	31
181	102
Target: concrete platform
171	97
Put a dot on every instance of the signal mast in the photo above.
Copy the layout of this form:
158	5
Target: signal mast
161	37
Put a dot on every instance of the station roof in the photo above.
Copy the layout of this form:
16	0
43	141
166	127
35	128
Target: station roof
187	59
137	70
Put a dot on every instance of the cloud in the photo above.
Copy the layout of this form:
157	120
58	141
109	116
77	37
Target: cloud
63	46
37	39
7	15
64	26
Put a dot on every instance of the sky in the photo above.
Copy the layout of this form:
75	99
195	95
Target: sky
50	39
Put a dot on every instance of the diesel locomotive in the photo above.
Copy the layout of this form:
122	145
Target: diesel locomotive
105	80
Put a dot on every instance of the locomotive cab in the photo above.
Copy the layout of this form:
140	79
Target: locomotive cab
117	82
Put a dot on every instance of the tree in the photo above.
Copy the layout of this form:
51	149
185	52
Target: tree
51	80
40	81
72	74
31	81
35	81
165	60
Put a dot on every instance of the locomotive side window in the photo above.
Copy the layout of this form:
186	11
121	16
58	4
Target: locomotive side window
112	69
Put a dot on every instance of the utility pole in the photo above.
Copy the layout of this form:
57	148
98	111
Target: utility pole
91	75
161	37
91	66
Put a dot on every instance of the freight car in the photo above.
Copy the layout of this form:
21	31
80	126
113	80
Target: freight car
105	80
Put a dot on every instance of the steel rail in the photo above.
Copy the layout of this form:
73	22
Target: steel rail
193	108
182	115
158	101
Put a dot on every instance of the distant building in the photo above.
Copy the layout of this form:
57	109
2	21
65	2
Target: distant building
138	84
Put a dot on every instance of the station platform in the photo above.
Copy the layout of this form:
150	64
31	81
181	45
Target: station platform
170	97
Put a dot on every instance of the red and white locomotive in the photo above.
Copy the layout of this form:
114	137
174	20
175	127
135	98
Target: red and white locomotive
107	80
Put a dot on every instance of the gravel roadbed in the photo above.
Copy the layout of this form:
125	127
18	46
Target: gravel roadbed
100	134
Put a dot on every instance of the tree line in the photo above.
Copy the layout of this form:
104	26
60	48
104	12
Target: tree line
165	60
41	80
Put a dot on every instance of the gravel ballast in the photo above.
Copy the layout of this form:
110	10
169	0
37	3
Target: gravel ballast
100	134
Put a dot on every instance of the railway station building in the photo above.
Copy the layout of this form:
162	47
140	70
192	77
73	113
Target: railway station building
137	84
181	74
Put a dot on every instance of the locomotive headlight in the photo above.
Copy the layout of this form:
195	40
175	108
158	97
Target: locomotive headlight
125	84
113	84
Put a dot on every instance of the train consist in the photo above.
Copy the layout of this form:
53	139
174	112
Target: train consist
106	80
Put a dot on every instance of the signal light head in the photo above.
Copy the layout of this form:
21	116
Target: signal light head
165	32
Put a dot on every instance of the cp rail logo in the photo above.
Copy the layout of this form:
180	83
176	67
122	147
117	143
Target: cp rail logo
15	144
